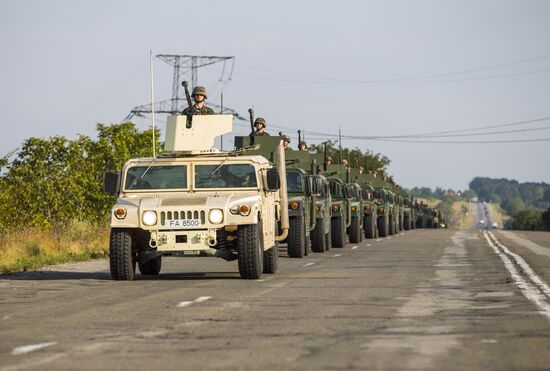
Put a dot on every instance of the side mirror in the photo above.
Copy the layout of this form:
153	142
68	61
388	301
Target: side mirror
310	186
273	180
111	183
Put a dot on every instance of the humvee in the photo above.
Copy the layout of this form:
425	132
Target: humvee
199	201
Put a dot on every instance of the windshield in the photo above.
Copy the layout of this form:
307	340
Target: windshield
293	182
156	177
225	176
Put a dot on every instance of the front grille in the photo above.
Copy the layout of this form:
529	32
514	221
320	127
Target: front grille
182	214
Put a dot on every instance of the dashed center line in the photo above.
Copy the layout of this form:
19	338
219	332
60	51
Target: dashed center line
369	244
378	240
354	247
336	255
307	265
30	348
200	299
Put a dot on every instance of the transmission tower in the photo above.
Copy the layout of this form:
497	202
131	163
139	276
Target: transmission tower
185	66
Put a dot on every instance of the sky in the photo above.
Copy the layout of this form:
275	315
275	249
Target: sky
373	68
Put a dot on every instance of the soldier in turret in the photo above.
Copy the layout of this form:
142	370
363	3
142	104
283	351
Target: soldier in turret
199	108
286	141
302	146
259	124
329	160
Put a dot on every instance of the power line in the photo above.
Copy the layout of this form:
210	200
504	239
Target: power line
325	80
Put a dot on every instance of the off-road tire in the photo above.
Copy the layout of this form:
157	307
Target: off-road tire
151	267
391	226
369	227
383	229
318	240
271	260
327	238
355	230
407	223
121	257
296	240
337	232
250	251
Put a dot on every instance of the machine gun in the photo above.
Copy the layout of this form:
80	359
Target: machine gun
251	114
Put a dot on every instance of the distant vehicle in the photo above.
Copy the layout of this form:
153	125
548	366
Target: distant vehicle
495	225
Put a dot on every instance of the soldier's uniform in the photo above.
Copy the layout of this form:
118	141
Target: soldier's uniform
203	111
262	134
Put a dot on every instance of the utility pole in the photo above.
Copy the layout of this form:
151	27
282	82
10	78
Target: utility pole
185	67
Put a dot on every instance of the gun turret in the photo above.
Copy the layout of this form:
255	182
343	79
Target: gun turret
251	115
188	97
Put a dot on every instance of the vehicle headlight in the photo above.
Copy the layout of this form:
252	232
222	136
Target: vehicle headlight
294	205
215	216
335	207
149	217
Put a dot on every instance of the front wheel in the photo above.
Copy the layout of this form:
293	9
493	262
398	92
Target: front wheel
355	230
383	229
407	223
338	232
318	241
250	251
369	227
296	240
121	257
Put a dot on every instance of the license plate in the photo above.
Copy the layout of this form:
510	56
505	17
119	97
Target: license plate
182	223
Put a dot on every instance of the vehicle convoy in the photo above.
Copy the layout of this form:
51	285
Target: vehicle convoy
308	196
199	201
341	204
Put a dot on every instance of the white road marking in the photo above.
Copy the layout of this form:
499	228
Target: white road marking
260	280
378	240
31	348
307	265
369	244
543	286
184	304
402	234
202	298
353	247
336	255
489	341
531	292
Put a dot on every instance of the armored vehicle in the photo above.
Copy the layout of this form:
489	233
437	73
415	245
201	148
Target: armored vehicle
357	212
370	215
195	200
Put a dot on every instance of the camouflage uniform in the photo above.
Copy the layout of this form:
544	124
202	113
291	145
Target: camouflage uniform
258	134
203	111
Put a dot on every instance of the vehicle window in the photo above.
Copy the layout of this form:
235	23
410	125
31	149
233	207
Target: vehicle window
225	176
156	177
293	182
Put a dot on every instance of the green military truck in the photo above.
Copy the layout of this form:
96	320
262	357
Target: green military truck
370	207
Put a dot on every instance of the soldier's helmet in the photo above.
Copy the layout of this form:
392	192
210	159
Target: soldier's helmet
286	138
345	162
302	143
200	90
258	121
329	158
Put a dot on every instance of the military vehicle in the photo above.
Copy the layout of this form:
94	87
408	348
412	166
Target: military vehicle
308	197
341	206
370	215
357	212
199	201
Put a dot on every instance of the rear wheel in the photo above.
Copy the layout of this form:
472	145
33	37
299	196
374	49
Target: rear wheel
250	251
151	267
318	241
338	232
296	239
271	259
121	257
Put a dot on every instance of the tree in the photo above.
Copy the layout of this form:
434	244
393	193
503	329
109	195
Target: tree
529	219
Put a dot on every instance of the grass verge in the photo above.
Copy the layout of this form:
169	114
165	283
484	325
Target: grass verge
30	249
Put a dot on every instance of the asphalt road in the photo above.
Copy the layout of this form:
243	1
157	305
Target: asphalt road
427	299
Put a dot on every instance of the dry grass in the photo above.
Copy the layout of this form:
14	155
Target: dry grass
463	214
30	249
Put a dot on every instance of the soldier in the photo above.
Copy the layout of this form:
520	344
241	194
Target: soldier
361	169
259	124
302	146
329	160
286	141
199	96
345	162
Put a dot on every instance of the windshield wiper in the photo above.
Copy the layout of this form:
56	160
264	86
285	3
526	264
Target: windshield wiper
218	168
142	174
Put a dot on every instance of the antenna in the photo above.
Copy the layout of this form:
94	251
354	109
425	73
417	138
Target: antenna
152	99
